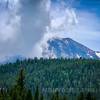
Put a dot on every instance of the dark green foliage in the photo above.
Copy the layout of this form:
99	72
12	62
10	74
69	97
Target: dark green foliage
18	92
29	95
41	97
64	97
2	95
81	96
56	96
90	96
36	96
20	81
79	74
14	95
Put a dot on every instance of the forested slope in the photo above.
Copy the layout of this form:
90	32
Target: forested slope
71	76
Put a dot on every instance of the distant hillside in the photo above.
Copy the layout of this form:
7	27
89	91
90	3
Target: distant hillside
11	59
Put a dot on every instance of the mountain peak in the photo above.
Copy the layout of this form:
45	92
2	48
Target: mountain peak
66	39
67	48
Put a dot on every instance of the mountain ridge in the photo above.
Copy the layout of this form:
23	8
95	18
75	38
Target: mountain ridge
59	48
67	48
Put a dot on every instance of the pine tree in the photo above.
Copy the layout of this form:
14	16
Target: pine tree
55	96
81	96
41	97
20	81
36	96
90	97
1	94
64	97
18	92
29	95
14	96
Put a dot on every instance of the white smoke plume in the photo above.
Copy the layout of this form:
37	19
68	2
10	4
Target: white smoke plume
22	24
26	25
9	19
66	21
62	19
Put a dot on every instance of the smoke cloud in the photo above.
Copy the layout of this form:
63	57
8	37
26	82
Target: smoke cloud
66	21
26	25
22	24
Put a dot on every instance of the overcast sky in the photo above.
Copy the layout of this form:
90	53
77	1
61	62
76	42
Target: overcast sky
26	24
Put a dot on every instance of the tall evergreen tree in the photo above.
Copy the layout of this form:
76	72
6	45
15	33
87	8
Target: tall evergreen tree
52	97
14	95
36	95
90	96
18	92
55	96
20	81
1	94
41	97
64	97
81	96
29	95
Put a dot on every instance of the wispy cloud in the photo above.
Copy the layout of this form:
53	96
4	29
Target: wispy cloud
22	24
81	25
25	25
9	19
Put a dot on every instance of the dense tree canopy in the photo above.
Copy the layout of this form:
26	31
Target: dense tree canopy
65	78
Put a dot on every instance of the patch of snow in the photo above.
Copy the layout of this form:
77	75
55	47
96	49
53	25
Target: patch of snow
91	56
78	56
98	54
60	45
66	41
